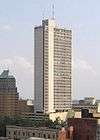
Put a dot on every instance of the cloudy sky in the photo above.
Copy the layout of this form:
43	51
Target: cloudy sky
17	19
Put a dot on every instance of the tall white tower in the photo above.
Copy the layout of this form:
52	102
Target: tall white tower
52	67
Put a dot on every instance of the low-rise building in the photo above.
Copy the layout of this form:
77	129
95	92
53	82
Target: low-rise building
22	133
64	115
89	103
26	108
41	133
84	128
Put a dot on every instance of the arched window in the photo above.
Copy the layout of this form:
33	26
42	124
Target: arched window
33	134
44	136
48	136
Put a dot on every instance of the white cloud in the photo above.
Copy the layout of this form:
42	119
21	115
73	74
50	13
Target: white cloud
16	62
85	79
83	65
5	28
84	76
23	71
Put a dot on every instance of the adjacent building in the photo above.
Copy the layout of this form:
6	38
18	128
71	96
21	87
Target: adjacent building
98	130
26	108
8	95
32	133
89	103
22	133
52	67
84	128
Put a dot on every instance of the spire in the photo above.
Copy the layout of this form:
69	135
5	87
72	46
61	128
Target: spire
43	14
53	11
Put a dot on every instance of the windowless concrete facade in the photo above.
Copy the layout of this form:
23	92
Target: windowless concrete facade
52	72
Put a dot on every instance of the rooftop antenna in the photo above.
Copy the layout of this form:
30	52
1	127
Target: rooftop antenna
43	16
53	12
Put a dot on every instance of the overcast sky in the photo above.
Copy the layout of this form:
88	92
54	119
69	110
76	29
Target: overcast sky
17	19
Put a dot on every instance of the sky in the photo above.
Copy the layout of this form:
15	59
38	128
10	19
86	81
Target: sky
17	21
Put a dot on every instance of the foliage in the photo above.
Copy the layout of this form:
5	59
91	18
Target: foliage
43	122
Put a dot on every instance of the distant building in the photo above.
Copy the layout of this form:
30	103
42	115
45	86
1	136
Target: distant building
86	101
26	108
89	103
8	95
64	115
52	67
90	100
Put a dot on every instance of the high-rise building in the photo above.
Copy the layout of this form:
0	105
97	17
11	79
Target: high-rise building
52	72
8	95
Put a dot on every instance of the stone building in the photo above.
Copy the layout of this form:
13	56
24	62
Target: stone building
19	133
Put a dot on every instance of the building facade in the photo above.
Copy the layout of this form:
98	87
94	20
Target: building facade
52	72
8	95
83	128
25	110
66	134
89	103
22	133
98	130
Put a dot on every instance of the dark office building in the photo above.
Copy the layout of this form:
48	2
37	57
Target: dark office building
8	95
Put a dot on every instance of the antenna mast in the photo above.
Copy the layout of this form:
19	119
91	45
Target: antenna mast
53	12
43	16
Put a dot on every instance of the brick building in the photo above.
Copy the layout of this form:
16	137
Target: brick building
84	128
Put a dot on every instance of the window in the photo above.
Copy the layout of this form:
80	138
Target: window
48	136
53	136
39	135
87	137
19	133
14	132
9	132
23	133
33	134
44	136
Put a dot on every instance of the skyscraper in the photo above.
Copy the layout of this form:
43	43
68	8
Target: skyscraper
52	67
8	95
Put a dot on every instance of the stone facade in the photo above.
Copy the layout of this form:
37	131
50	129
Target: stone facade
22	133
